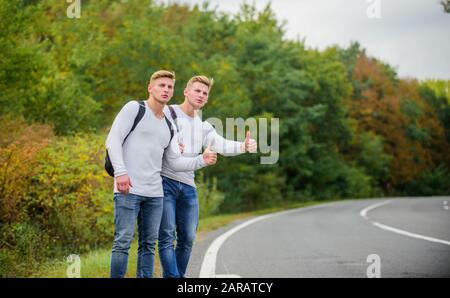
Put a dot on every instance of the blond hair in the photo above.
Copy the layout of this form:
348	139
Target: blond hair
200	79
162	74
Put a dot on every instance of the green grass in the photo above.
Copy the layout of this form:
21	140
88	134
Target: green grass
96	263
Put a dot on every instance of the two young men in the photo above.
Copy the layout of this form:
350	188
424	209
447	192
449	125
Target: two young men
168	204
137	160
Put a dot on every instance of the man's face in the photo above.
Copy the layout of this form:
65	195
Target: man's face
161	89
197	95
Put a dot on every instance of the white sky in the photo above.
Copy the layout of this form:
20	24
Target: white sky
411	35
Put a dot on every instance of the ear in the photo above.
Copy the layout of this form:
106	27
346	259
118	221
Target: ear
185	92
149	88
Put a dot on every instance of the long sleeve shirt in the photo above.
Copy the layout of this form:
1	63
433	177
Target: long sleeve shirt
196	134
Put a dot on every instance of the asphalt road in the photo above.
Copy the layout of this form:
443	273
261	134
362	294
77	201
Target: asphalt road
411	237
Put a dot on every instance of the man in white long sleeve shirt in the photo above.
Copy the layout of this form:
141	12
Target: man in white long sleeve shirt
180	211
137	161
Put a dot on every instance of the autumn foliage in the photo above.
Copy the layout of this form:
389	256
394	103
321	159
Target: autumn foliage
394	109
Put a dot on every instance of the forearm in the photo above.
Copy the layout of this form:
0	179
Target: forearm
225	147
229	148
179	163
184	164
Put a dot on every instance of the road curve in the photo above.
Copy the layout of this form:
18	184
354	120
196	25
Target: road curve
411	237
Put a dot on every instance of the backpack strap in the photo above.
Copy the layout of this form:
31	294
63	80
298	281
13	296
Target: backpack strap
169	124
174	116
138	118
108	165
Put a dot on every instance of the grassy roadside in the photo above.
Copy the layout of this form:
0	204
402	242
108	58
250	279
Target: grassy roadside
96	263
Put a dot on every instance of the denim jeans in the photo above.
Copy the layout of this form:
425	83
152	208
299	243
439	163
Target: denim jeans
179	222
148	212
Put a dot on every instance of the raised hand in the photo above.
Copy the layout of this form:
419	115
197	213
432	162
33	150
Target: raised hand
209	156
249	145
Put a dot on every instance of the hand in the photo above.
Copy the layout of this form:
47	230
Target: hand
249	145
181	146
123	184
209	156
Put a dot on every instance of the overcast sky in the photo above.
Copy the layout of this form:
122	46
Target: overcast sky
411	35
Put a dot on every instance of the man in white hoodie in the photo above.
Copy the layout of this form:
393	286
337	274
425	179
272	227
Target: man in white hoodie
136	153
180	207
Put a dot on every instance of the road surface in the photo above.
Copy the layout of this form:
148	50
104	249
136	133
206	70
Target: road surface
409	236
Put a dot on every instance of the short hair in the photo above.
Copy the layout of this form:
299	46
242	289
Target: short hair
162	74
200	79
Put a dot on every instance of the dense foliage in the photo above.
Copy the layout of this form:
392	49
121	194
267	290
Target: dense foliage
349	126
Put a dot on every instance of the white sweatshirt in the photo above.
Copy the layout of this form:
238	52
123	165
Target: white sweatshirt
196	134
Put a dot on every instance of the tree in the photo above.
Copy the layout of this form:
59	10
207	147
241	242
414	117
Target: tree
446	5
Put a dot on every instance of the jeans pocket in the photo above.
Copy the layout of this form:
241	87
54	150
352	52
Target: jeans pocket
125	201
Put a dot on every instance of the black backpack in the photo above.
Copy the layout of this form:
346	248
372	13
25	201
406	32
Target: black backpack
174	116
108	165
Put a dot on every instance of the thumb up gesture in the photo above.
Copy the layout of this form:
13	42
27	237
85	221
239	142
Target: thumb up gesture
209	156
249	145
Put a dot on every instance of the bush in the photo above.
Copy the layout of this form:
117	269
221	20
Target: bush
71	193
358	183
333	179
208	195
432	182
22	247
263	191
19	145
56	198
372	158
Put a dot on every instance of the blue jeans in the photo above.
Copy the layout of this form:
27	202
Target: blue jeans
179	222
148	212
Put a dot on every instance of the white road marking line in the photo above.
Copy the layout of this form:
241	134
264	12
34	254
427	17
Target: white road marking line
409	234
208	268
363	213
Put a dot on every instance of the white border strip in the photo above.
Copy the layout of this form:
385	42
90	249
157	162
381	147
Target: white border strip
363	213
405	233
